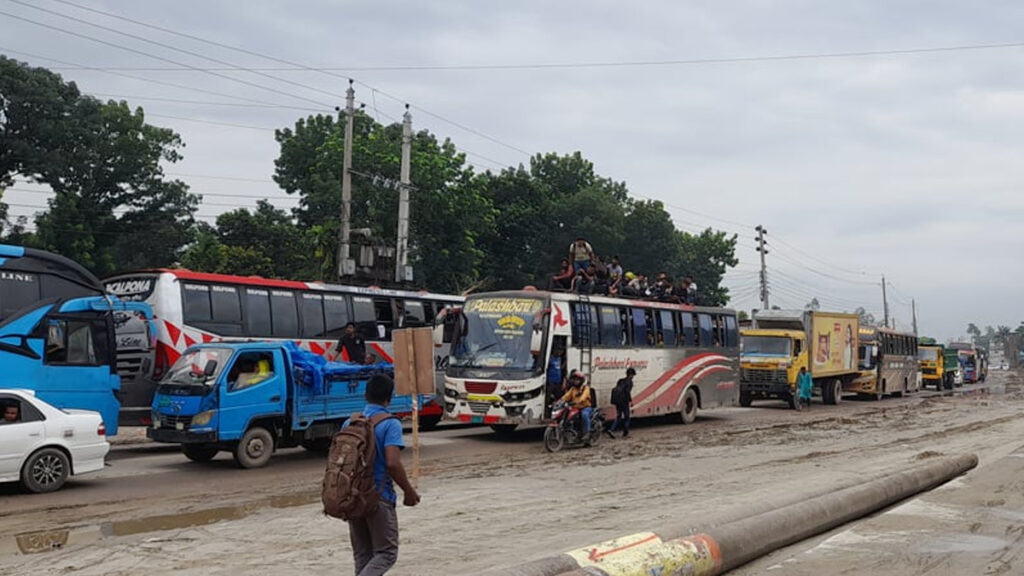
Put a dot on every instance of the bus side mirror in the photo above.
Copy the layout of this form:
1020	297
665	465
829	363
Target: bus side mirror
536	340
438	334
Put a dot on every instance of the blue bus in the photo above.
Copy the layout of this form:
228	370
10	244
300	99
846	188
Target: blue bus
61	335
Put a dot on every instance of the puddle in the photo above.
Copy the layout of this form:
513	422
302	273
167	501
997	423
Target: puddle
963	543
56	539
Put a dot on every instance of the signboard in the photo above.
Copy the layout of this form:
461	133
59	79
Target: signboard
833	344
414	361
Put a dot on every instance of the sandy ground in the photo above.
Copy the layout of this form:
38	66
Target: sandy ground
519	503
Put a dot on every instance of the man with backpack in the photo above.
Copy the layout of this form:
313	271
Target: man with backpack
622	398
369	447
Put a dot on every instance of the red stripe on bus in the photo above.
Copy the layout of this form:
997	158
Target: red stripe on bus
383	354
173	332
651	389
229	279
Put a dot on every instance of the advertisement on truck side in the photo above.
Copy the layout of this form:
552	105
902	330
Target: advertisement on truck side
833	344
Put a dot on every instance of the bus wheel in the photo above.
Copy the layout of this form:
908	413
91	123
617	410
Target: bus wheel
553	439
745	398
255	448
504	429
429	422
688	410
199	452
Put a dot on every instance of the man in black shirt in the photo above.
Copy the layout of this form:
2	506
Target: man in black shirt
622	398
353	344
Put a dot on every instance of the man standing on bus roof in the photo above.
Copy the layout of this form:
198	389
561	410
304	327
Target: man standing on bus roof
580	253
353	345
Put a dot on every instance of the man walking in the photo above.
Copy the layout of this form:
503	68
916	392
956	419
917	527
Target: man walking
375	537
622	398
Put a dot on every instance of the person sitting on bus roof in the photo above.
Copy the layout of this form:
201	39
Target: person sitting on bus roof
352	344
601	280
580	253
583	282
578	396
691	290
562	280
615	268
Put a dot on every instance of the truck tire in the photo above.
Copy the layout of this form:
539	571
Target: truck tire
199	452
688	407
832	392
745	398
792	401
255	448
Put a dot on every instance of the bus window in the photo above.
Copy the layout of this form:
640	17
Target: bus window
284	314
640	331
335	315
257	313
705	329
365	318
77	342
626	338
584	315
689	333
611	329
731	334
415	313
667	327
53	287
196	303
18	290
385	316
226	310
312	316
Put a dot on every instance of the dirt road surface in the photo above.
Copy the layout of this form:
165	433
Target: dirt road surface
492	501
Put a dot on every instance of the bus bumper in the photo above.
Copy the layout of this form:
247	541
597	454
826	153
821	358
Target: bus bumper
180	436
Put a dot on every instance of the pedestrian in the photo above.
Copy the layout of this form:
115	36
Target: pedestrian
804	385
622	399
375	537
580	253
352	344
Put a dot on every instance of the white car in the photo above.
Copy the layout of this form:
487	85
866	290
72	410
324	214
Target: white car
41	446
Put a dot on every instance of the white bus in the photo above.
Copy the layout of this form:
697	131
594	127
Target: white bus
193	307
686	357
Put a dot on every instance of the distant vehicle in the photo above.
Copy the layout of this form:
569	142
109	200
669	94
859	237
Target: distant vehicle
46	445
939	364
251	398
888	362
783	341
197	308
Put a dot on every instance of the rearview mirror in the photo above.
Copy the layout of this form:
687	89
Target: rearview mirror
211	367
536	340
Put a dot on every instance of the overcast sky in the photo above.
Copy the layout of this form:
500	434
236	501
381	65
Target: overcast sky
902	164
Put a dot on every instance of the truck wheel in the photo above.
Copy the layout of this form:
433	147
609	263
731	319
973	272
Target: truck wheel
255	448
793	402
837	391
688	409
826	393
45	471
745	398
199	452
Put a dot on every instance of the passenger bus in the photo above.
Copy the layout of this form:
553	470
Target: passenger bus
63	338
889	363
686	358
194	307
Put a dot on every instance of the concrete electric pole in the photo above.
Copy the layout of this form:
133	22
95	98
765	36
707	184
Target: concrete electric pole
402	271
764	271
885	304
346	267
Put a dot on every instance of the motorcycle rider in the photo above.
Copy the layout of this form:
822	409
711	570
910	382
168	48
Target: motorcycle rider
578	397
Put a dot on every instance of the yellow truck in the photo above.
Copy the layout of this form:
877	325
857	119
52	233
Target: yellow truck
780	342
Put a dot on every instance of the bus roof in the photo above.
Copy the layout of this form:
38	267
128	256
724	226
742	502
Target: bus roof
185	274
600	300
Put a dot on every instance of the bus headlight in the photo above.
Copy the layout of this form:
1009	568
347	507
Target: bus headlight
203	418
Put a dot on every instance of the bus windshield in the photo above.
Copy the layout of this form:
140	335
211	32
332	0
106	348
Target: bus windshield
765	346
496	334
928	354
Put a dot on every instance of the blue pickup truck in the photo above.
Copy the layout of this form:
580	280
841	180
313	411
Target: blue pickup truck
250	398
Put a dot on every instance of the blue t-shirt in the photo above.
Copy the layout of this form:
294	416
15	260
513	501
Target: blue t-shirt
387	433
555	370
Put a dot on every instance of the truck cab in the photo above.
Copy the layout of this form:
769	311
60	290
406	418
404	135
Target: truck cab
254	397
770	361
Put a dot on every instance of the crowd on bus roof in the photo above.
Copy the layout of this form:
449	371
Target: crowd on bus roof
584	272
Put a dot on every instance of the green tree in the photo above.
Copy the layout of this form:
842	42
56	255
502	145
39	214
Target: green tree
813	305
706	257
866	318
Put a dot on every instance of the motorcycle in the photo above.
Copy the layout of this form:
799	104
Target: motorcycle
565	430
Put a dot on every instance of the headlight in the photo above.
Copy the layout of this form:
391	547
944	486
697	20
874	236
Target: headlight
203	418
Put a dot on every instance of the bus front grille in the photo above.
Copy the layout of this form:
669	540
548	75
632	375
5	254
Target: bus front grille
480	407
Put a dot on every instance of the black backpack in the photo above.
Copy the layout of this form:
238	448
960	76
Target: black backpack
619	394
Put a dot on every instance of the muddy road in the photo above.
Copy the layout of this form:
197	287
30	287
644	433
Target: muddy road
491	500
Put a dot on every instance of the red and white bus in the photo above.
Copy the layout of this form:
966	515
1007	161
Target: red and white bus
194	307
686	357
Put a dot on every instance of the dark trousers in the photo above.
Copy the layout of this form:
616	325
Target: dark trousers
621	415
375	541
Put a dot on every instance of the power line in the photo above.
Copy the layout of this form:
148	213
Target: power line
146	54
819	260
212	122
625	63
204	102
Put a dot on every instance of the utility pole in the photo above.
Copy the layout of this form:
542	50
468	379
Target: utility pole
885	304
913	310
346	267
402	247
761	231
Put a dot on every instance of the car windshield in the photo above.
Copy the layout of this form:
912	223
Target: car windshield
497	334
765	345
190	369
927	354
